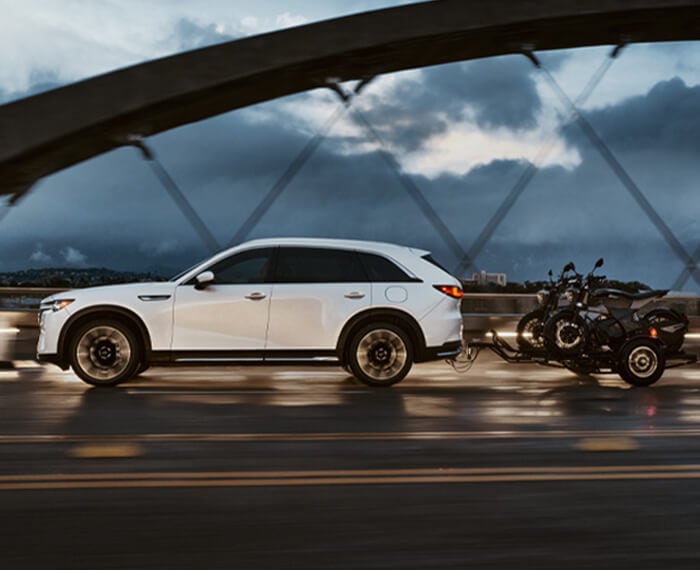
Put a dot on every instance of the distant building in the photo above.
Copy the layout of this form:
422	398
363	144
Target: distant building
483	278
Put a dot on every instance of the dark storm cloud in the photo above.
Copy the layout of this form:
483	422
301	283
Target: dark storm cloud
654	137
666	118
498	93
501	91
121	217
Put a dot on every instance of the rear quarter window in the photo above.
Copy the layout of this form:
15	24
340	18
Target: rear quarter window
430	259
382	270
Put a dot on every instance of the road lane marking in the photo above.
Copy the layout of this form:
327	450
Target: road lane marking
351	477
106	451
605	444
408	472
343	436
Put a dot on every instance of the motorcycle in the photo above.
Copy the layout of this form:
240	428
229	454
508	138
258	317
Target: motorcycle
601	321
530	327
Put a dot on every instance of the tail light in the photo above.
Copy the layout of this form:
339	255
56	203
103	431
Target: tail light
653	333
450	290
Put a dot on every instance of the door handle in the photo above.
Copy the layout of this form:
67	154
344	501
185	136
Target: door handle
354	295
256	296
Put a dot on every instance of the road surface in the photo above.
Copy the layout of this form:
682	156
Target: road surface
506	466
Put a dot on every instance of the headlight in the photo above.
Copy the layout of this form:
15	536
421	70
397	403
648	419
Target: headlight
570	295
55	305
541	295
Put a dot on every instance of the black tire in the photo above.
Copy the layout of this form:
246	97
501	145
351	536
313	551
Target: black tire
663	318
565	334
530	332
380	354
104	352
142	367
641	362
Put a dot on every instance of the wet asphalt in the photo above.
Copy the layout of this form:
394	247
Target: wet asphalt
305	468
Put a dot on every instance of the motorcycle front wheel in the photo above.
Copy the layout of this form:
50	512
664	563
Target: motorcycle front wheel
529	331
565	334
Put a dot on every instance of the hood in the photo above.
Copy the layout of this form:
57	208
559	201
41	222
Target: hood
122	291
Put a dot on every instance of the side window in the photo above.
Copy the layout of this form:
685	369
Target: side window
381	270
430	259
246	267
318	265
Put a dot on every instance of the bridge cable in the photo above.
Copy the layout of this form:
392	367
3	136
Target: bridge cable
176	194
624	177
8	203
412	188
533	166
299	160
687	271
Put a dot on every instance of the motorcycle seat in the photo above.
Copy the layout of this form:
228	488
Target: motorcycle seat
634	296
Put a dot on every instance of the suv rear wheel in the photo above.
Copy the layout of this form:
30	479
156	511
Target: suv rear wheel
380	354
104	352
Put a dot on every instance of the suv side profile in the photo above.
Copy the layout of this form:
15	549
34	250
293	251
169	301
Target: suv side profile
373	308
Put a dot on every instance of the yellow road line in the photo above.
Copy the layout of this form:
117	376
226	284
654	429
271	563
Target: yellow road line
348	480
606	444
109	450
343	436
290	474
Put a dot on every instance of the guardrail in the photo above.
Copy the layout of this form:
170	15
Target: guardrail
19	328
24	298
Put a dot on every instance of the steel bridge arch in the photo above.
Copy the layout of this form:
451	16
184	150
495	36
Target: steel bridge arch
53	130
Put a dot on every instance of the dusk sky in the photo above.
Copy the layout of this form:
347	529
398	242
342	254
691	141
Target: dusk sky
463	132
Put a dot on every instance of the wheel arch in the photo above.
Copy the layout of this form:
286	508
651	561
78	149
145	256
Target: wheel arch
121	314
639	337
395	316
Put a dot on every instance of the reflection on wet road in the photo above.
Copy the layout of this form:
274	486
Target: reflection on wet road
274	467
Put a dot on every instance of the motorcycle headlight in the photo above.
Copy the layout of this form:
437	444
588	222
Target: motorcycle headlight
570	295
55	305
541	296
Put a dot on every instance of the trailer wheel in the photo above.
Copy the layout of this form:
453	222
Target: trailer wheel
641	362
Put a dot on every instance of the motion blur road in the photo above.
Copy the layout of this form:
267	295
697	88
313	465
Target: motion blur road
304	468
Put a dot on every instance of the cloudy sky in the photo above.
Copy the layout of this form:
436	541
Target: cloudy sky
463	133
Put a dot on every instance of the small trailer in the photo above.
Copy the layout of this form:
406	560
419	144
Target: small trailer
640	361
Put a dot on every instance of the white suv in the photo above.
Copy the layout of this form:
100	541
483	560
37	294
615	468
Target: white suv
372	308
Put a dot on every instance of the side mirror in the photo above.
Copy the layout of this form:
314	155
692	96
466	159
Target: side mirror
599	263
203	279
550	273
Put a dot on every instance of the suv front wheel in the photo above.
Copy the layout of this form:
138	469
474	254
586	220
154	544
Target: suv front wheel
380	354
104	353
